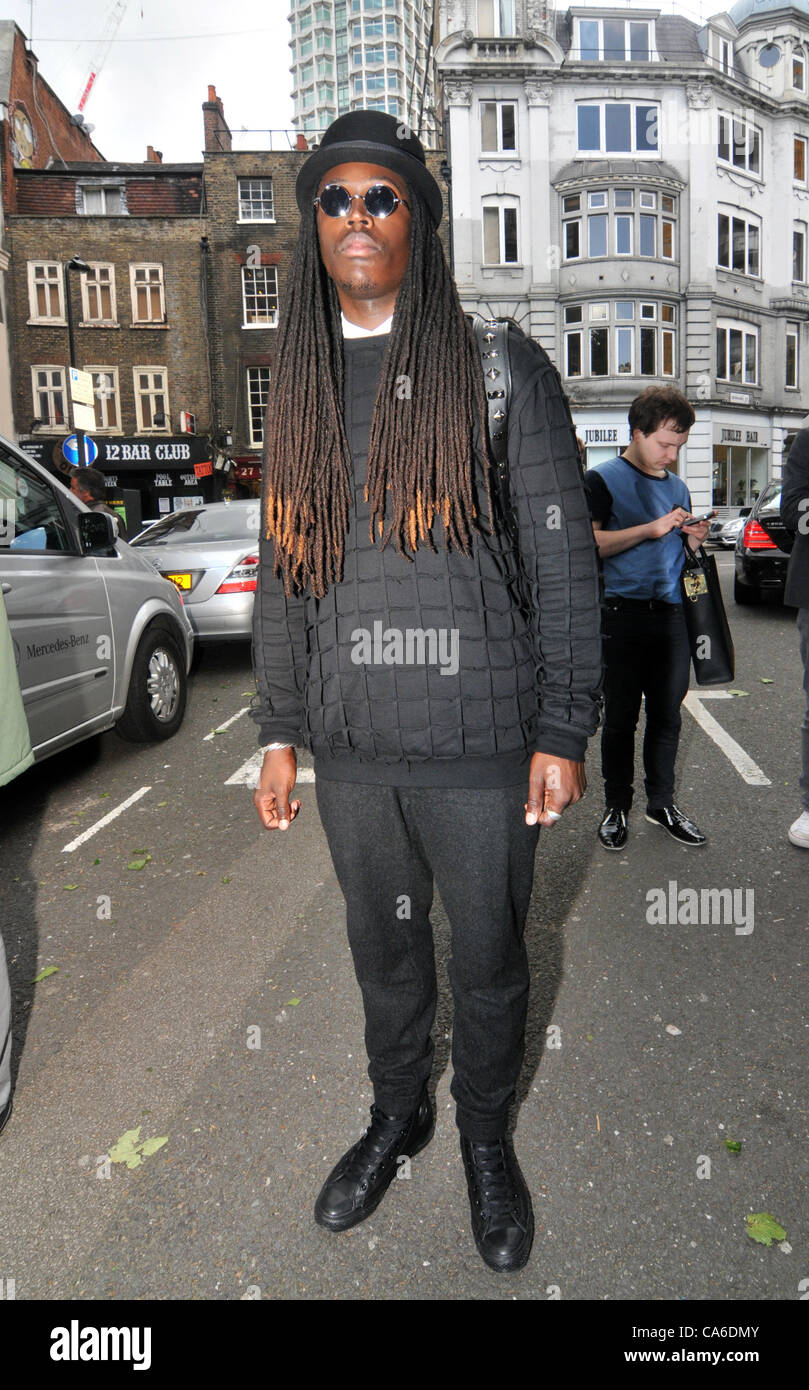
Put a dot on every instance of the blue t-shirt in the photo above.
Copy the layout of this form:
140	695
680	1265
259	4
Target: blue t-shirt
621	495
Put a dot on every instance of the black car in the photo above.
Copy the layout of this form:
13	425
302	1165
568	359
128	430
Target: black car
762	550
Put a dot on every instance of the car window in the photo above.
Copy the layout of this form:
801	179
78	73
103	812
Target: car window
30	516
203	524
770	499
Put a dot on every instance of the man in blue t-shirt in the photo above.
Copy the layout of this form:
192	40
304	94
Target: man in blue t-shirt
639	509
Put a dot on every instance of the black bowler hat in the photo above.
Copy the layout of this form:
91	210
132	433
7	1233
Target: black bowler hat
370	137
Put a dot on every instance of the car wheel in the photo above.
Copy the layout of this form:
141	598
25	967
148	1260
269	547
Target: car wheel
745	596
155	704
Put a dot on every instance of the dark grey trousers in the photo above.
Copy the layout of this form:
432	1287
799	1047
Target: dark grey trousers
388	846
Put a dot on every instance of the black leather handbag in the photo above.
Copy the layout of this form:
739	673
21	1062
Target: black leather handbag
709	635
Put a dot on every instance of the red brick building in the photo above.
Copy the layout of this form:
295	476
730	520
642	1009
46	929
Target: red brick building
36	129
139	315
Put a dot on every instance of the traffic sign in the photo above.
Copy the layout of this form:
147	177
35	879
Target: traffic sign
70	449
81	387
84	417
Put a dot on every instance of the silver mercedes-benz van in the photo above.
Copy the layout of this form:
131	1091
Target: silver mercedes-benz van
100	639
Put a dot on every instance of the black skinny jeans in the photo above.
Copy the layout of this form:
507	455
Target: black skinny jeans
387	845
646	654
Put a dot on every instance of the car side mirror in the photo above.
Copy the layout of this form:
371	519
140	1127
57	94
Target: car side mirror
96	533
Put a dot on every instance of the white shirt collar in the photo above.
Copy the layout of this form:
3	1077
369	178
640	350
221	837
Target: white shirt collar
353	330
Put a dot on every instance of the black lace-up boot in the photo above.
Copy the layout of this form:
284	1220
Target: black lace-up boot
502	1217
356	1186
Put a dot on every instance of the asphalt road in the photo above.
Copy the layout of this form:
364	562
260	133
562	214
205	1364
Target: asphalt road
208	997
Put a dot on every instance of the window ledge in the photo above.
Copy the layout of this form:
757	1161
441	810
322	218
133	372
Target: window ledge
250	326
46	323
726	167
149	325
740	275
100	323
255	221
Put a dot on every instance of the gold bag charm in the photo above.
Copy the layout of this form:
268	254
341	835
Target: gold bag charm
695	585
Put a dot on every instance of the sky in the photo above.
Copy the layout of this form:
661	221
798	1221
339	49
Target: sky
166	52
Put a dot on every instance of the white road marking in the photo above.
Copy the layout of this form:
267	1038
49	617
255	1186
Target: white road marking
105	820
226	725
247	774
732	750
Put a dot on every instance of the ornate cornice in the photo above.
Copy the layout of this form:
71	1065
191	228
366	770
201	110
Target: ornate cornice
538	93
698	95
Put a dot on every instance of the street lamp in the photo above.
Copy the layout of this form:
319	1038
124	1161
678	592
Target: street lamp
75	263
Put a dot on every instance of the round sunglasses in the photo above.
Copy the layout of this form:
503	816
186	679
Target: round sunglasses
380	201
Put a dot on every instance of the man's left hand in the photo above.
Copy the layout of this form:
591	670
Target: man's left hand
696	533
553	784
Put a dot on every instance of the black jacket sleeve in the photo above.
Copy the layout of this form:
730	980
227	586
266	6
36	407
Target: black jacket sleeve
279	656
599	497
558	553
795	485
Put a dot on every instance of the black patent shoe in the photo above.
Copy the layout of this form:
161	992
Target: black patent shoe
502	1216
613	831
356	1186
678	825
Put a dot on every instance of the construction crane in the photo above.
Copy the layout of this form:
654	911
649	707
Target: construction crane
114	18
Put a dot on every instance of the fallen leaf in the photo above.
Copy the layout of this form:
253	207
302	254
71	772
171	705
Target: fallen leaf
738	692
151	1146
139	863
765	680
70	887
129	1151
43	974
764	1228
162	803
103	794
733	1145
293	1001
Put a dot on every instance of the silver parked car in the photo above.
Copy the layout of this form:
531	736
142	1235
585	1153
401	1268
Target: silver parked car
211	554
99	638
729	533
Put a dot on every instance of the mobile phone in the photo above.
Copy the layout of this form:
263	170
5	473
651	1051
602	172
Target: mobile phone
692	520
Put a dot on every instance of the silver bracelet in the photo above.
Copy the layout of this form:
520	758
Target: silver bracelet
276	747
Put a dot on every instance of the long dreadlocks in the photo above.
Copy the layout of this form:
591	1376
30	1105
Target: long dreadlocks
429	398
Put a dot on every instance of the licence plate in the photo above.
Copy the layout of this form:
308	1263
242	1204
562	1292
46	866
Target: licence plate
183	581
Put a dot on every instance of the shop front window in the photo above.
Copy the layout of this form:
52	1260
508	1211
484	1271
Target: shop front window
739	475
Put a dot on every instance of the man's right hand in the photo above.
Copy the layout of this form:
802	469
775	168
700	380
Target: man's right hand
275	784
669	522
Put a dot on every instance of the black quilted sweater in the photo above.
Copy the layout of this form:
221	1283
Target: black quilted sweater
493	656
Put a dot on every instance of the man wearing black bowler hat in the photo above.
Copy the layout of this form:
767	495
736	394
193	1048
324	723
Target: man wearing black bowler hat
445	677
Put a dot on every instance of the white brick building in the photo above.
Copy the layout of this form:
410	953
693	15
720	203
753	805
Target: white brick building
634	189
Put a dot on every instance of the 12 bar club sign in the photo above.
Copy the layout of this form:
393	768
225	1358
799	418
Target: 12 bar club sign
185	451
